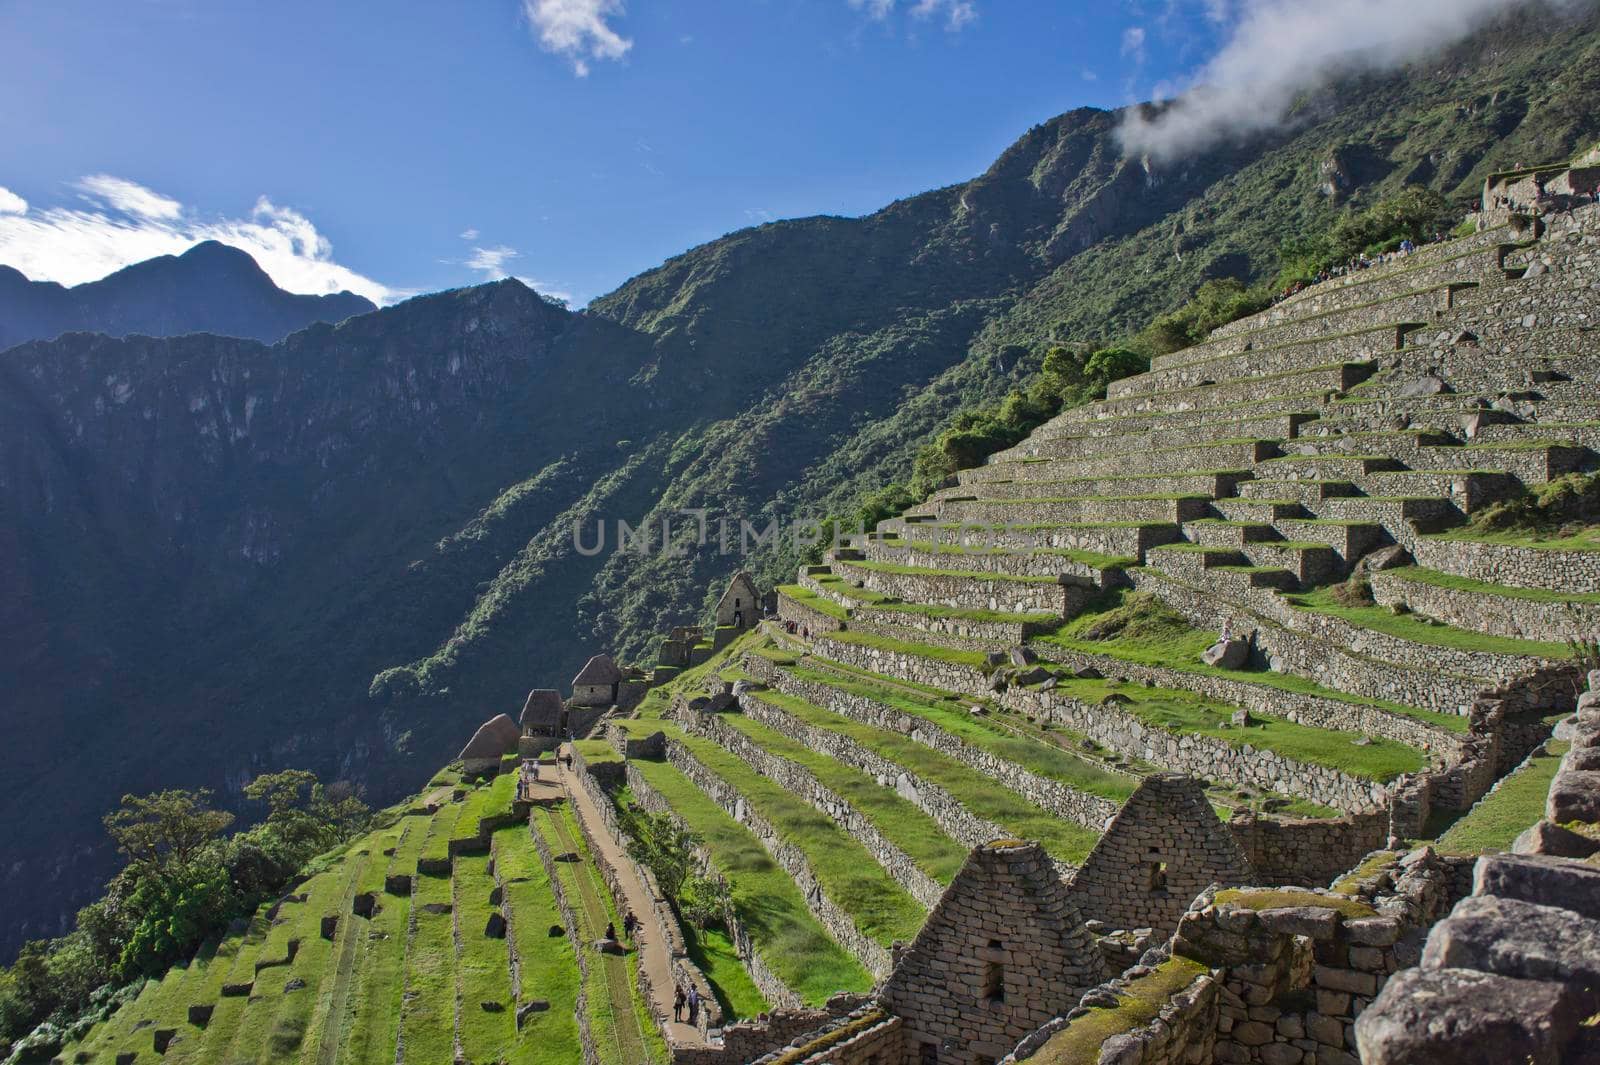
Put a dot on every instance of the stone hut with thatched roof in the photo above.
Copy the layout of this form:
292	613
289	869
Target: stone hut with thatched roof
542	714
495	738
596	683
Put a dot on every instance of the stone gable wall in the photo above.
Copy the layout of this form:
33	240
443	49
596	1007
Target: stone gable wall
1006	915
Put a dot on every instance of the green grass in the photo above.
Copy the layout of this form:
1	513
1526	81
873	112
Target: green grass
549	969
712	952
807	598
597	752
1517	804
848	873
1415	629
900	821
1283	898
427	1011
1174	644
483	966
1137	1005
982	732
978	793
1586	540
768	904
970	659
1504	591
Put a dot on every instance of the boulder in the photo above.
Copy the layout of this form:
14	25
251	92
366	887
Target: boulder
556	931
1509	937
1540	879
1552	839
529	1008
1088	673
1021	656
1535	269
1574	796
294	984
609	946
1416	388
1241	718
330	926
1461	1017
994	658
1582	759
740	687
1392	557
495	927
1036	675
1227	654
492	1007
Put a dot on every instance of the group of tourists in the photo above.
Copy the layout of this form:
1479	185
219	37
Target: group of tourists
1357	263
689	999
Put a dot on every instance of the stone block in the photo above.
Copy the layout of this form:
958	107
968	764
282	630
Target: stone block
1280	1054
1548	838
1346	980
1574	796
1539	879
1312	921
1509	937
1252	1034
1372	931
1460	1017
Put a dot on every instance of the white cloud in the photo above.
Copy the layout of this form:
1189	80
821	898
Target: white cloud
11	203
956	13
128	197
1280	49
469	234
123	223
577	29
1133	43
1088	75
491	262
759	215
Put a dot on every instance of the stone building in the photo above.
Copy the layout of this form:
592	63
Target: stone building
1004	951
495	738
1163	848
740	605
543	713
596	683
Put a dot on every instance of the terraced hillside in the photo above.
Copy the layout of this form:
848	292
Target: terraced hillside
440	937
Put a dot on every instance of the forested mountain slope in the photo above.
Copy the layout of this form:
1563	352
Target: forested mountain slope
341	549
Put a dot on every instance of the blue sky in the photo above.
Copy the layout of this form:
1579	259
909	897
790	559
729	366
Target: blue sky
413	146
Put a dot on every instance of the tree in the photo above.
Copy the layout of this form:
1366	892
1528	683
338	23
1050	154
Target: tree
304	814
1113	364
659	842
164	830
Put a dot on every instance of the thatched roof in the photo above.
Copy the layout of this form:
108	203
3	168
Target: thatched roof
495	737
599	670
542	709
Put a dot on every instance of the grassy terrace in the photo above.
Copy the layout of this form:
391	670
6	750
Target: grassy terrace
919	571
863	597
1171	643
483	966
1091	559
1514	805
901	821
1503	591
1587	539
375	1006
714	953
1422	630
848	873
807	598
549	969
975	791
1189	712
427	1011
981	732
769	905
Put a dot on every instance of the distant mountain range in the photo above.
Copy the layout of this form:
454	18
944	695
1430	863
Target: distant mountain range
211	288
345	549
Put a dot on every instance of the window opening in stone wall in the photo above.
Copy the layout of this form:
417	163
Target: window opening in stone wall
1158	872
994	977
928	1054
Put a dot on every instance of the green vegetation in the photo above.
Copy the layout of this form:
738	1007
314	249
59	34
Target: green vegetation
1505	591
1138	628
807	598
767	902
981	732
1138	1003
549	970
1565	508
182	882
1516	803
901	822
713	952
1283	898
1405	626
976	791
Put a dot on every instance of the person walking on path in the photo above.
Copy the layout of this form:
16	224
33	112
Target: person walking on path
677	1004
629	923
694	1005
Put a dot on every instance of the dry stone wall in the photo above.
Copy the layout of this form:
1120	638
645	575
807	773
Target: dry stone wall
1306	853
1091	811
1497	615
800	781
1571	572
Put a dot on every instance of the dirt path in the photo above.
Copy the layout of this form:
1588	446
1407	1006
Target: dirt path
649	939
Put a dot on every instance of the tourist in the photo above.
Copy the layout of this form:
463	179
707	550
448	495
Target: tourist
629	923
694	1005
611	931
677	1004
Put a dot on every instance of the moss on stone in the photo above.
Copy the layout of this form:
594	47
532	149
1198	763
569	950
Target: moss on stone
1289	898
1138	1004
